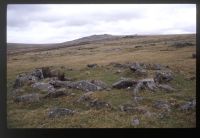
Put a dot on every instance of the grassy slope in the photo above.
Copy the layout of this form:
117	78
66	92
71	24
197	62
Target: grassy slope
123	50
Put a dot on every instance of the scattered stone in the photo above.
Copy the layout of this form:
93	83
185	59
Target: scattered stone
193	55
92	65
123	84
135	122
99	104
28	98
163	76
188	106
162	105
58	112
43	87
56	94
85	86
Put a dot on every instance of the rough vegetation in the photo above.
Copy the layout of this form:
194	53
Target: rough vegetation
95	85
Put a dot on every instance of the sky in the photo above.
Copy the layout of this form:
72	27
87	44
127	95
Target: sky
55	23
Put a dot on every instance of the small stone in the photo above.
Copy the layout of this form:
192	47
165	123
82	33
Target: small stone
135	122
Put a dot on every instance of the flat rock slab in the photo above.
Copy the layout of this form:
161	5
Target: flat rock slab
58	112
28	98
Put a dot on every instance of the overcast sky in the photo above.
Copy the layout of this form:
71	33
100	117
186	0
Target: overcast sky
54	23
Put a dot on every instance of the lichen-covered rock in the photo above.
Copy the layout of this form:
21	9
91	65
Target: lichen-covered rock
28	98
58	112
38	73
43	87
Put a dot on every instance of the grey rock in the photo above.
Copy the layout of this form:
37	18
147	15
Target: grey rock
43	86
28	98
85	86
163	76
58	112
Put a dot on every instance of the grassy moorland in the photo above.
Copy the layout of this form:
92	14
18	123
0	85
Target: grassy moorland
74	60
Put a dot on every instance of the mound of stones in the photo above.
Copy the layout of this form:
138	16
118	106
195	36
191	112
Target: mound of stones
161	77
53	83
